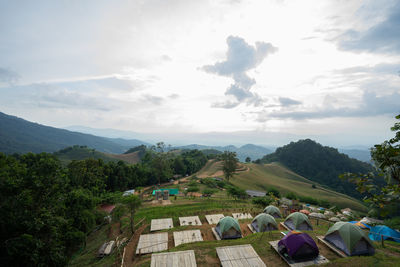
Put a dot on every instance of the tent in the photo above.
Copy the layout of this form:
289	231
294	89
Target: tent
350	239
298	221
273	211
306	212
361	225
382	231
264	223
317	215
298	246
228	228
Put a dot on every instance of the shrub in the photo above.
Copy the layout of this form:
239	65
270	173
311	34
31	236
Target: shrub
192	183
309	200
274	192
262	201
236	192
193	189
393	223
324	203
209	182
291	196
208	192
221	184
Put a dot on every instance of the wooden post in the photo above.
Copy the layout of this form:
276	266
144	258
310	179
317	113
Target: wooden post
382	241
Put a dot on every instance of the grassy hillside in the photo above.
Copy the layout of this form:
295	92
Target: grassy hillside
321	164
262	176
68	154
131	158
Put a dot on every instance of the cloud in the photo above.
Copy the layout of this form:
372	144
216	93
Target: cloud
384	37
156	100
371	105
8	76
288	101
240	58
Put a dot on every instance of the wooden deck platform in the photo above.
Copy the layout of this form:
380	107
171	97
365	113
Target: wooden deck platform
318	260
214	218
152	243
251	228
191	220
333	248
241	255
161	224
216	235
242	216
284	226
188	236
184	258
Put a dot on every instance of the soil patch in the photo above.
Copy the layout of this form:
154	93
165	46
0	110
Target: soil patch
130	258
114	230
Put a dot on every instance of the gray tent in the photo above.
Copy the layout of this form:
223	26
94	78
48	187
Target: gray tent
264	223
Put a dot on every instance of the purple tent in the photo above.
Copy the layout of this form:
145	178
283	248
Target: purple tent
298	246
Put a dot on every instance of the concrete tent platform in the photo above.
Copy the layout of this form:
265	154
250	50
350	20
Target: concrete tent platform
187	237
152	243
161	224
191	220
214	218
318	260
184	258
242	255
241	216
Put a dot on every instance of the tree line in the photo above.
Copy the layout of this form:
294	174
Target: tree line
47	210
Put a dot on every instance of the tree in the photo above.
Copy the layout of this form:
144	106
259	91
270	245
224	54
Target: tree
229	164
133	202
208	192
161	163
248	159
386	158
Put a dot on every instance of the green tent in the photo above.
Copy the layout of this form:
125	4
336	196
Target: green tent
350	239
228	228
264	223
172	191
273	211
298	221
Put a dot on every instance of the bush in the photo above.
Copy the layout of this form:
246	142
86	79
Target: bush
208	192
221	184
393	223
324	203
309	200
262	201
274	192
236	192
193	189
291	196
192	183
209	182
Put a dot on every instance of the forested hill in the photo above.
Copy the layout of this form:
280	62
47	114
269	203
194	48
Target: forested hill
21	136
319	163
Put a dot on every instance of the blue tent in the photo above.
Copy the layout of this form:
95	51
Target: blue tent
385	232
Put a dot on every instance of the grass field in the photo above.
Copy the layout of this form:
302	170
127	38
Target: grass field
262	176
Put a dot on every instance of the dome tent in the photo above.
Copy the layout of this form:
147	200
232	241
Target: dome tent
273	211
298	246
298	221
228	228
350	239
264	223
382	231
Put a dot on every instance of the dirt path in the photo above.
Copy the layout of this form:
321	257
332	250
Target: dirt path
114	230
130	258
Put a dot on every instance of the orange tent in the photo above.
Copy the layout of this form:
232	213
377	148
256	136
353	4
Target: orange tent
306	212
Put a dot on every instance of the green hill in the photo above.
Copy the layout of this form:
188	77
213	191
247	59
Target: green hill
21	136
263	176
320	164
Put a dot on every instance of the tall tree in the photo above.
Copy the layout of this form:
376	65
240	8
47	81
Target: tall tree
386	158
133	202
230	161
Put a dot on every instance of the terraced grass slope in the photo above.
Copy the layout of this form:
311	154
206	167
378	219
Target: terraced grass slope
262	176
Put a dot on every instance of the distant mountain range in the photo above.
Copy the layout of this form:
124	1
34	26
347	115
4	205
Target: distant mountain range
21	136
249	150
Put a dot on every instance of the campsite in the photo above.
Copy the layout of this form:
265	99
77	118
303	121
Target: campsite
203	228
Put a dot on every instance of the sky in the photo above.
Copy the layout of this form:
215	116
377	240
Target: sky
265	72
